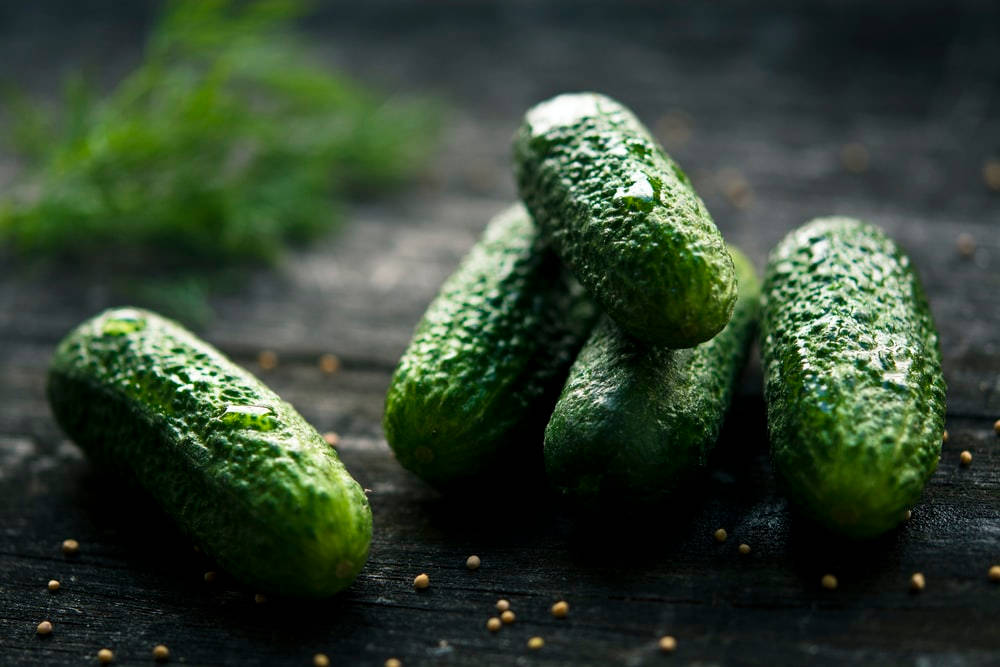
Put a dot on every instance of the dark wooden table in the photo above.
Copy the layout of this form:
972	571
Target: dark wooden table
758	105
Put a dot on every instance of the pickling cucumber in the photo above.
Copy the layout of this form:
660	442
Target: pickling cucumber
636	421
238	469
852	370
479	379
625	219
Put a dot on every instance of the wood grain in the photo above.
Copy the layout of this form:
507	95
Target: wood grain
770	97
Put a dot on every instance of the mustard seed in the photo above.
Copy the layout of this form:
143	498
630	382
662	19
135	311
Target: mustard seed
493	624
44	628
917	582
507	617
991	174
721	535
966	244
996	427
393	662
965	458
560	609
503	605
259	598
209	576
267	360
329	363
160	653
104	656
995	573
854	157
421	581
70	547
53	585
321	660
744	549
331	438
668	644
829	582
536	643
473	562
944	436
908	515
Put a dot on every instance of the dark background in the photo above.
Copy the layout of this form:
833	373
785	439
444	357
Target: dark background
758	104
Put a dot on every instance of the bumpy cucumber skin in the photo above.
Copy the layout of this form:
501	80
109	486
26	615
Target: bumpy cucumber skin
636	421
852	372
486	363
625	219
259	492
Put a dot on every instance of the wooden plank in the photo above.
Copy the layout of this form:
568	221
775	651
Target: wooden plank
772	95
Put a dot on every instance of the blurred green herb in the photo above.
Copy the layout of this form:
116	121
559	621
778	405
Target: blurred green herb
227	143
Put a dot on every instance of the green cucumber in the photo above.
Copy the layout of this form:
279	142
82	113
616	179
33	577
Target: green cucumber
636	421
238	469
486	363
852	371
625	219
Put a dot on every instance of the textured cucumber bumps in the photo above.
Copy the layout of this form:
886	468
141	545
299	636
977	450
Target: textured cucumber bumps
855	394
636	421
624	219
255	486
479	379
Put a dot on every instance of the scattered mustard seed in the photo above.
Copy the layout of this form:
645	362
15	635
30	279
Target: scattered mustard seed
995	573
721	535
473	562
991	174
259	598
160	653
996	427
70	547
267	360
104	656
44	628
917	582
675	128
53	585
944	436
854	157
421	581
908	515
829	582
965	458
210	576
536	643
493	624
393	662
744	549
331	438
560	609
329	363
668	644
736	187
321	660
507	617
965	244
503	605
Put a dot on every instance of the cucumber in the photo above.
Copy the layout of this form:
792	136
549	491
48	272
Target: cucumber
238	469
486	363
636	421
625	219
852	371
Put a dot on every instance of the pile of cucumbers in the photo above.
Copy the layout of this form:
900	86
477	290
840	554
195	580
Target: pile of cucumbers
604	322
593	335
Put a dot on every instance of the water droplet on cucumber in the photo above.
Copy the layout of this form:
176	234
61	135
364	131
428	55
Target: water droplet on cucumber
123	322
256	417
